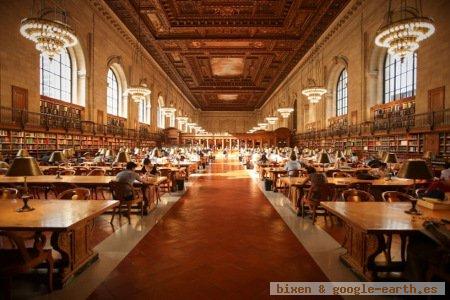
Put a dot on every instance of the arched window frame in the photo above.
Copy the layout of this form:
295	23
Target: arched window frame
399	77
56	77
342	93
113	93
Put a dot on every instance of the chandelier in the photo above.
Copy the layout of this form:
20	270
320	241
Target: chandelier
51	36
182	120
263	125
314	92
271	120
404	30
285	111
139	92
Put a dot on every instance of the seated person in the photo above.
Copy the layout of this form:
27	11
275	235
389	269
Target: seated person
374	162
354	158
292	165
129	176
445	174
341	163
319	184
437	189
379	172
263	160
146	166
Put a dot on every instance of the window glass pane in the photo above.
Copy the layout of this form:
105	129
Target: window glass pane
399	77
56	77
112	94
341	94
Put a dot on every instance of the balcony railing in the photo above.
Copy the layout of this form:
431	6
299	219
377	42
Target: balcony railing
21	119
437	120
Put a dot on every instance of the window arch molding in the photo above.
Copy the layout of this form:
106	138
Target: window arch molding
115	64
340	63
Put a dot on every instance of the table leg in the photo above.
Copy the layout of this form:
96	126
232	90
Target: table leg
145	199
75	249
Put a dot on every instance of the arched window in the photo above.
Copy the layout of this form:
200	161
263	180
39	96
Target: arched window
56	76
144	111
341	94
112	94
400	77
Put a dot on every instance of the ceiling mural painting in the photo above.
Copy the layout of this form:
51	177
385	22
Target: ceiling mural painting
213	48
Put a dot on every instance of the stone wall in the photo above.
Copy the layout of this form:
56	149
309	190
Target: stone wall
103	41
349	42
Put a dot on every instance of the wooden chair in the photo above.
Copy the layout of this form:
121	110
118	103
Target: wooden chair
67	172
95	190
81	171
120	191
51	171
362	186
9	194
166	185
20	259
326	194
4	165
75	194
341	175
354	195
329	173
390	197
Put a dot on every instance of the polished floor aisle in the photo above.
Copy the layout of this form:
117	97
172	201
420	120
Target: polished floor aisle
223	239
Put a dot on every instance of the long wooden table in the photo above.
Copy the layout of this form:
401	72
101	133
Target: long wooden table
70	223
82	181
368	223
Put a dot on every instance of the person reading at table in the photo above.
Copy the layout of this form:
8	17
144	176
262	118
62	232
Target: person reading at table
292	165
445	174
379	172
129	176
146	166
318	184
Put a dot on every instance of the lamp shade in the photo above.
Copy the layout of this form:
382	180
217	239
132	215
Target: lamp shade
56	156
339	154
22	153
324	158
109	153
390	158
66	153
102	151
415	169
24	166
122	157
428	155
348	152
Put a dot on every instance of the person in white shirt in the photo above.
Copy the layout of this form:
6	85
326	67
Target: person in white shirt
445	174
292	165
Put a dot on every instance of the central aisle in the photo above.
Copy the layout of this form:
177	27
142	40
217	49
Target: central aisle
222	239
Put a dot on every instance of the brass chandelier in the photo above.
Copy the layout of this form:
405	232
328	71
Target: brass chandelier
51	35
404	29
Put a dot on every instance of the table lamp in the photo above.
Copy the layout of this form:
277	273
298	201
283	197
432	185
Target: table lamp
24	166
102	151
338	154
390	158
415	169
109	153
348	152
324	158
22	153
122	157
66	153
56	157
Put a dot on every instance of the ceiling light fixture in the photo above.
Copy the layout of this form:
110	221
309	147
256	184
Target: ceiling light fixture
404	29
51	36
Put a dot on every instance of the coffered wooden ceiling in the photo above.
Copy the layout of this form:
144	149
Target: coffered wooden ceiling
228	54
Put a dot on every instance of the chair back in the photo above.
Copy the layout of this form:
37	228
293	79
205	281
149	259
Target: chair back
341	175
75	194
8	194
120	190
4	165
354	195
97	172
81	171
330	173
294	173
394	196
67	172
51	171
165	172
362	186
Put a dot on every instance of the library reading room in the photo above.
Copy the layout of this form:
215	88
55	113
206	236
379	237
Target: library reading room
236	149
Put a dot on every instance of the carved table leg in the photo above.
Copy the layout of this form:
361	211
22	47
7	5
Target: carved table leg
75	248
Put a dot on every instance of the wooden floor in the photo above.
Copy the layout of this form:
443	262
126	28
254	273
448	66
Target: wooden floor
222	239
